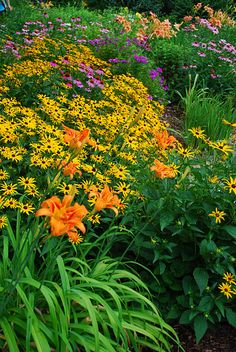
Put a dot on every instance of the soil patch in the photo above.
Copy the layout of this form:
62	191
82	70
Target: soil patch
221	339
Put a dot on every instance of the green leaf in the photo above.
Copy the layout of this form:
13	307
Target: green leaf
206	304
200	327
39	339
174	312
9	334
231	316
165	220
231	230
187	316
201	277
220	306
49	245
207	247
162	267
183	301
188	285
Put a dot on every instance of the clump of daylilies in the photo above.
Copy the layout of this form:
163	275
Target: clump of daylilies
66	219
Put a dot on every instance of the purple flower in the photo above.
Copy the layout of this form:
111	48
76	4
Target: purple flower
201	54
142	59
99	72
117	60
114	60
77	19
81	41
53	64
78	83
104	30
94	41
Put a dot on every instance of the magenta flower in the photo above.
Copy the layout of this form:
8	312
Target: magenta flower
201	54
142	59
53	64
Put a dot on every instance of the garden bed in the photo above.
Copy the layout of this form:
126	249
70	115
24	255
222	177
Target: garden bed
117	181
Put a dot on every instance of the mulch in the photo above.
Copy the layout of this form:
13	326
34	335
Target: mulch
221	339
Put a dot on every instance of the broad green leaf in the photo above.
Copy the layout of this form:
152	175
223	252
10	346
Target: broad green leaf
201	277
231	316
165	220
188	285
207	247
221	307
187	316
174	312
200	327
231	230
206	304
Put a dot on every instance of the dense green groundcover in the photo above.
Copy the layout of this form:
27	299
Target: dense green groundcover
85	157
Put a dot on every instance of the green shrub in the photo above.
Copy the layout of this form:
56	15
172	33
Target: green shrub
186	235
172	56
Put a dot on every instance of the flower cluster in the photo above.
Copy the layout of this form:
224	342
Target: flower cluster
228	286
68	142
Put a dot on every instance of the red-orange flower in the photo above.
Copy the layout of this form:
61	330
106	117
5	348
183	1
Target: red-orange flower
163	139
162	170
76	139
64	217
69	169
105	199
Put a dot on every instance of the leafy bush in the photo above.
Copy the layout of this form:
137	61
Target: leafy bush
172	57
186	233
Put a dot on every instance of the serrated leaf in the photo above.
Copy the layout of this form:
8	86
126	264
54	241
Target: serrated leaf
201	277
200	327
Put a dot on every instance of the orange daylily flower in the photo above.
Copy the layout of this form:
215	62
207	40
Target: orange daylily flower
69	169
105	199
77	139
163	139
162	170
64	217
